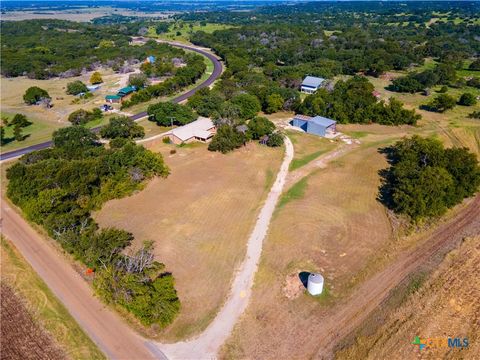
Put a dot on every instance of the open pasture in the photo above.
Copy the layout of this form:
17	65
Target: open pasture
199	218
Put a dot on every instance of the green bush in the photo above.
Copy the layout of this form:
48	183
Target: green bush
226	139
76	87
34	94
467	99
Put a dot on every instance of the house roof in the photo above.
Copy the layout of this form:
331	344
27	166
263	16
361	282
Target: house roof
302	117
113	97
198	128
151	58
127	90
323	121
312	81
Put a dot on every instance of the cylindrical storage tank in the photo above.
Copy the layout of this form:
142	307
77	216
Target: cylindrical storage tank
315	284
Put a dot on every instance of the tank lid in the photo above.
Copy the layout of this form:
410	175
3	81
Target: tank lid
315	278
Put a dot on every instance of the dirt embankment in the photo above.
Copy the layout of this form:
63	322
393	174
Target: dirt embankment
446	306
374	291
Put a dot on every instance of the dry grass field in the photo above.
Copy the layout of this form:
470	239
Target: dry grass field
330	222
51	331
448	299
199	219
333	225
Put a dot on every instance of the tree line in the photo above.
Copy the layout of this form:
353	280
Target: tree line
58	188
425	179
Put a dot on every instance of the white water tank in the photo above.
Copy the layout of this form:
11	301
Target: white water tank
315	284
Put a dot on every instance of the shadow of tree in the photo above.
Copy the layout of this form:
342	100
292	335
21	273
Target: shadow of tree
385	190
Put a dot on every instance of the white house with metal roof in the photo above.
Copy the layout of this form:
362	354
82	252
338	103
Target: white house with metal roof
201	129
311	84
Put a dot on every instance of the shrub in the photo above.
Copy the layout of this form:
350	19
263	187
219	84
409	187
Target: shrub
166	140
467	99
20	120
260	126
96	78
34	94
441	103
81	117
275	139
76	87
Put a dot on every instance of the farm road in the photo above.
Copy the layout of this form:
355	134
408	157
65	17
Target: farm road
208	343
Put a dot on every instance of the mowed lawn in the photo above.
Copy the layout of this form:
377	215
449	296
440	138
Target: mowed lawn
199	218
331	224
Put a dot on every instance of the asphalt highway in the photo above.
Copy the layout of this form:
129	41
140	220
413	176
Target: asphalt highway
217	71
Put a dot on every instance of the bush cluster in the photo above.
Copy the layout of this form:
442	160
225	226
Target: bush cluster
58	188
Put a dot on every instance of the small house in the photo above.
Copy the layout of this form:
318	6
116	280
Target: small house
113	99
311	84
150	59
317	125
126	91
93	87
201	129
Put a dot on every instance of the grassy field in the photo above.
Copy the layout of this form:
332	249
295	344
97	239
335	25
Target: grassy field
181	31
44	306
199	219
331	222
307	148
46	121
450	306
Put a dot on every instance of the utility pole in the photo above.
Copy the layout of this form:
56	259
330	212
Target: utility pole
171	120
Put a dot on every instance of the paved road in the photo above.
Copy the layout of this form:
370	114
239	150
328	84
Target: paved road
217	71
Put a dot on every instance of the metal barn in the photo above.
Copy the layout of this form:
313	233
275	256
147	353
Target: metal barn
317	125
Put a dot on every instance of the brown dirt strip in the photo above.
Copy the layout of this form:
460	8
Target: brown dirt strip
348	316
21	336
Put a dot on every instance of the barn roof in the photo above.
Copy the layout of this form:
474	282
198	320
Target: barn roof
323	121
113	97
312	81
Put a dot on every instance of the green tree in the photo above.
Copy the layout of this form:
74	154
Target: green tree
249	105
275	139
138	80
76	87
260	126
166	113
475	65
20	120
81	116
96	78
122	127
17	133
226	139
34	94
74	139
274	103
467	99
162	27
2	136
442	103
